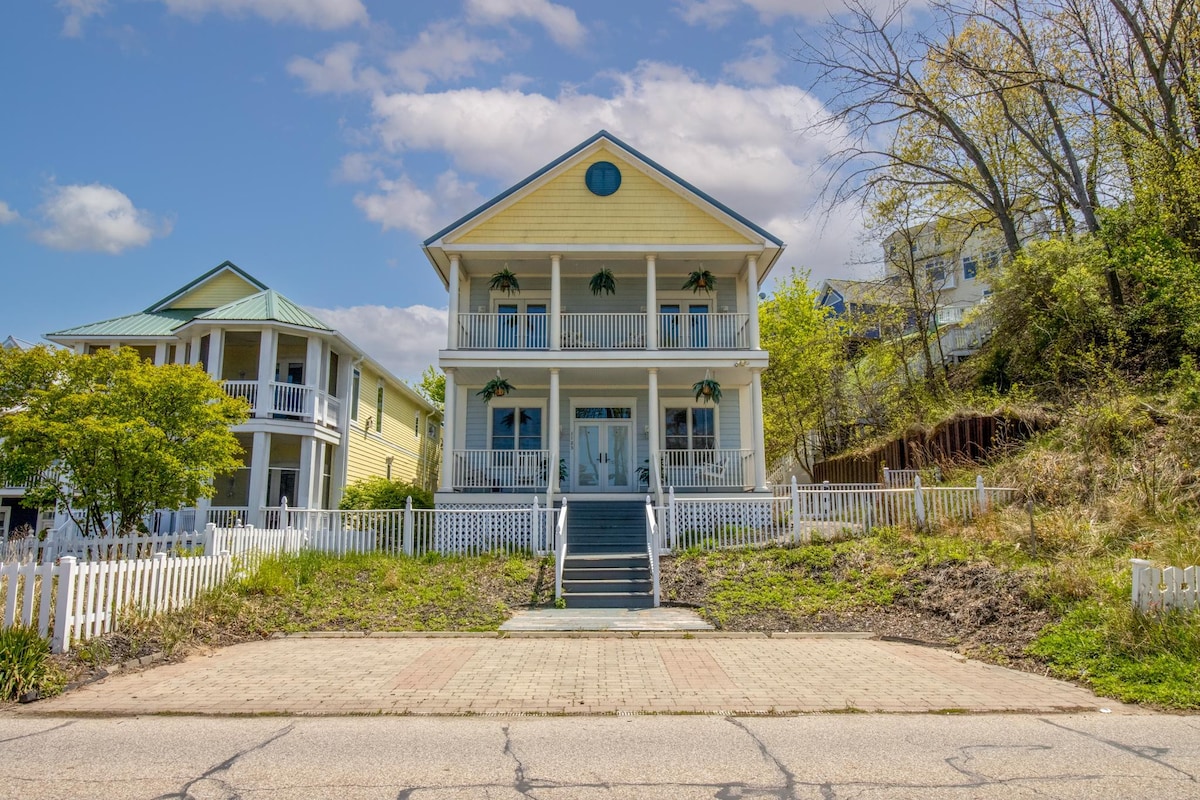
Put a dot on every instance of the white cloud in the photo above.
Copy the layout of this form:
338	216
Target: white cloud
7	213
334	73
405	340
78	12
759	65
715	13
402	205
559	22
443	51
356	168
321	14
95	217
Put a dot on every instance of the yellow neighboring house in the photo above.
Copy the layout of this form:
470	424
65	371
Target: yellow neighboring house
324	413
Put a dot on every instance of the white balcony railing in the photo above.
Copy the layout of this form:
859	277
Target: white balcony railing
288	400
704	331
707	469
603	331
497	470
228	516
503	331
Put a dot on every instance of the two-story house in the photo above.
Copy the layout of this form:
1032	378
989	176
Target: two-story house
323	412
588	377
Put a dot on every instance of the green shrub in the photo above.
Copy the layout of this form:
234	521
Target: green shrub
380	493
25	664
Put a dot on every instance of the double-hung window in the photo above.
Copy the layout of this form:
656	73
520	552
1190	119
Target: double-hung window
690	428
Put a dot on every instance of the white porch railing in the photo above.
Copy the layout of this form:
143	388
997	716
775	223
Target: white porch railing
725	331
707	469
597	331
228	516
288	399
522	331
526	470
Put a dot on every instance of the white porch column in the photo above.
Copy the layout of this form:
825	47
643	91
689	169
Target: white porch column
448	419
216	352
756	412
555	303
752	302
452	312
552	431
305	494
312	376
181	352
651	306
318	495
266	373
160	354
194	356
652	445
260	461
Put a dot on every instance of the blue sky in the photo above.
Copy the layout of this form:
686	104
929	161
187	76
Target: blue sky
315	143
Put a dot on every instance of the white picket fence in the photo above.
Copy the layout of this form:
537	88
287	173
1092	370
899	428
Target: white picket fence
1158	588
70	542
71	601
814	513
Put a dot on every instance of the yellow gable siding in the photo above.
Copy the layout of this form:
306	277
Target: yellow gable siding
217	291
414	457
564	211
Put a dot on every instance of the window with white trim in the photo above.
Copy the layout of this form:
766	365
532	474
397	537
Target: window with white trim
379	409
355	392
690	428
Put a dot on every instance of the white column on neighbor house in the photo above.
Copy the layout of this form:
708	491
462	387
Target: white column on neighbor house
312	376
452	284
653	433
318	495
305	494
260	462
160	354
651	304
216	352
759	445
181	352
752	299
266	372
552	431
448	418
194	356
555	303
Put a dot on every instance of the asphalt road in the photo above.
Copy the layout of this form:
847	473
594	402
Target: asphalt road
819	756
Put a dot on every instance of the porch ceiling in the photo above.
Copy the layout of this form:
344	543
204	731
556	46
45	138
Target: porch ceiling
622	264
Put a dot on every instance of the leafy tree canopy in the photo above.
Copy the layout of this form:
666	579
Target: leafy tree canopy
110	438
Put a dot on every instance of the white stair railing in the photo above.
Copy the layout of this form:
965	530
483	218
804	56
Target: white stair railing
560	554
652	547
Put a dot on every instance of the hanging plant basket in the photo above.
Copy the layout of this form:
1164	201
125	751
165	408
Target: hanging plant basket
603	282
707	389
700	280
496	387
505	281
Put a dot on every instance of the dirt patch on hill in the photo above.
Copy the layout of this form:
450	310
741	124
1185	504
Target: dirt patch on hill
974	608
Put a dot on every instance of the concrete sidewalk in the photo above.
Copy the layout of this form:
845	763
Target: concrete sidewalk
571	674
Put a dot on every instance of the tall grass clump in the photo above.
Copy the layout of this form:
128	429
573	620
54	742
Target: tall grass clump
25	665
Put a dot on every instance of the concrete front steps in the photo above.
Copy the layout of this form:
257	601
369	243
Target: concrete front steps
607	565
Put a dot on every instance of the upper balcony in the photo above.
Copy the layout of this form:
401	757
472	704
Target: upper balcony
604	331
287	401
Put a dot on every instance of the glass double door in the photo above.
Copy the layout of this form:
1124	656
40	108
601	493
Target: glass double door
603	450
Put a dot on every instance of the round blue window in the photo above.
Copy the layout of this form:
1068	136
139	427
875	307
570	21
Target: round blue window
603	178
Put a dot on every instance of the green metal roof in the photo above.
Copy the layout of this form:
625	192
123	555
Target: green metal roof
265	306
159	323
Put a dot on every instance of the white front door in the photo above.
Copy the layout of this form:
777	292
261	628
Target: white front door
603	450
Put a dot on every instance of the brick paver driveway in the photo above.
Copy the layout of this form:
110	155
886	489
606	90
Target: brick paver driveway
571	675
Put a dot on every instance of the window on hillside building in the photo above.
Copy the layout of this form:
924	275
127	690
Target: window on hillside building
970	268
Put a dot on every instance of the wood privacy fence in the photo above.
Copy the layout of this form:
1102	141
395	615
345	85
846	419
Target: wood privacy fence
71	601
973	439
1159	588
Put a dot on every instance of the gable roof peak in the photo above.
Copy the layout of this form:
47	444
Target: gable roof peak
223	267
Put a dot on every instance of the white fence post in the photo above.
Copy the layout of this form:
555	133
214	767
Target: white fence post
408	526
886	482
210	538
533	525
918	502
982	493
1140	565
64	573
795	510
671	518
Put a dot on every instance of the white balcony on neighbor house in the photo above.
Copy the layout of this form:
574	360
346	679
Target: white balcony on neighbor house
307	403
604	331
707	469
500	470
